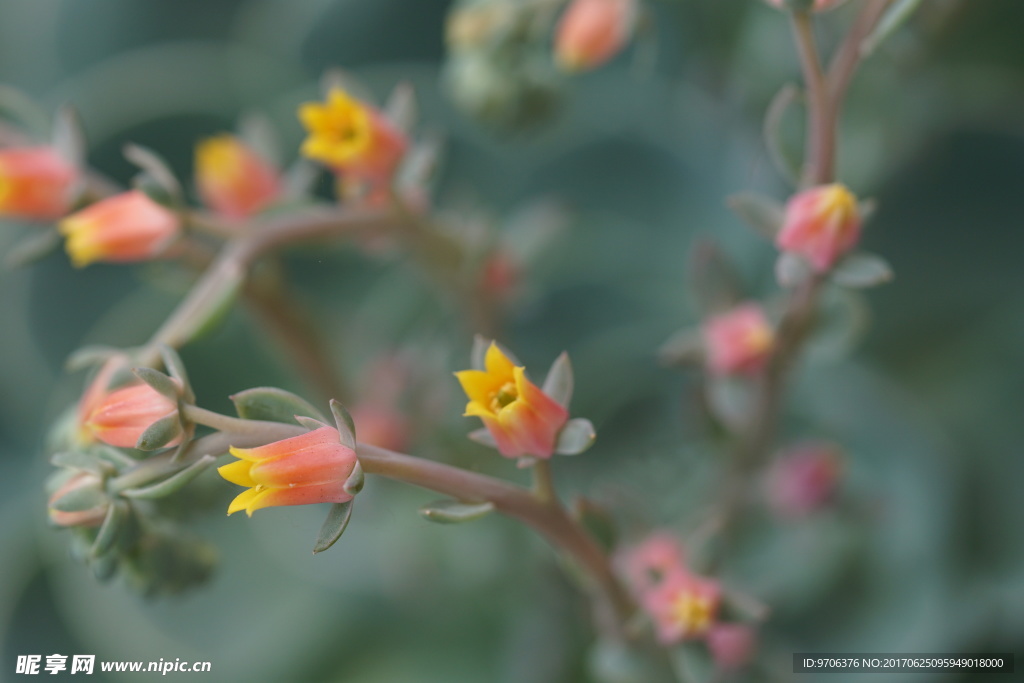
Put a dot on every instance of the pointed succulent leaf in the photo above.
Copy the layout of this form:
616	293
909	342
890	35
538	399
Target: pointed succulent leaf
90	355
258	133
763	214
685	347
161	383
712	280
483	437
310	423
172	483
79	499
576	436
791	270
109	531
67	137
862	270
894	17
334	526
83	462
176	369
36	245
401	108
559	382
104	567
480	346
454	512
346	425
273	405
160	433
730	400
355	481
300	178
156	179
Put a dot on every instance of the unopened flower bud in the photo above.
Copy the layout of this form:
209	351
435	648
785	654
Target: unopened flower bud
234	180
738	341
653	561
36	183
804	479
79	482
591	32
120	417
123	228
821	224
732	646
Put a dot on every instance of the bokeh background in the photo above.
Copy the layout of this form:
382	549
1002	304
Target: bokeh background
924	551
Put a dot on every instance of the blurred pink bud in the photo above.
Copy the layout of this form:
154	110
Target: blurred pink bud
593	31
35	183
738	341
118	418
683	607
232	179
381	426
91	517
126	227
732	645
804	479
500	273
653	561
821	224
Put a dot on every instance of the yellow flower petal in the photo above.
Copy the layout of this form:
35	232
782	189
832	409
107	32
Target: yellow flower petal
497	363
238	473
242	500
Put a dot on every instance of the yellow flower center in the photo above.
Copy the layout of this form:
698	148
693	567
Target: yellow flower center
837	204
503	396
692	612
6	187
219	158
340	130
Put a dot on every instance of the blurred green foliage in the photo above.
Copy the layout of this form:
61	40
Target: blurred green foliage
924	555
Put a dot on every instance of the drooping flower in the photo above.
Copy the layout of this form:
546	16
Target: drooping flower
738	341
683	607
821	224
120	417
234	180
654	560
732	645
36	183
89	517
310	468
804	479
354	139
591	32
126	227
522	419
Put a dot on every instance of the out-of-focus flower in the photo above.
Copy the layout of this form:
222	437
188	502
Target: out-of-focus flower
522	419
593	31
683	607
123	228
732	646
381	426
500	273
234	180
653	561
804	479
120	417
738	341
301	470
353	139
90	517
821	224
35	183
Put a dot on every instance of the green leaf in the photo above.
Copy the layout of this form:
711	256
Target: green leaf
346	425
576	436
257	132
172	483
161	383
176	369
762	213
355	481
83	462
774	118
685	347
712	281
730	400
334	526
479	352
271	404
160	433
483	437
894	17
38	244
455	512
559	382
156	174
310	423
81	498
792	270
22	110
67	137
862	270
109	531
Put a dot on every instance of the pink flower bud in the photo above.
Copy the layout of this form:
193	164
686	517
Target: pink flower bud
120	417
35	183
683	607
804	479
732	646
522	419
655	560
302	470
821	224
91	517
593	31
126	227
232	179
738	341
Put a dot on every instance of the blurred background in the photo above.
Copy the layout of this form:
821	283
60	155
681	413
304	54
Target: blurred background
922	553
